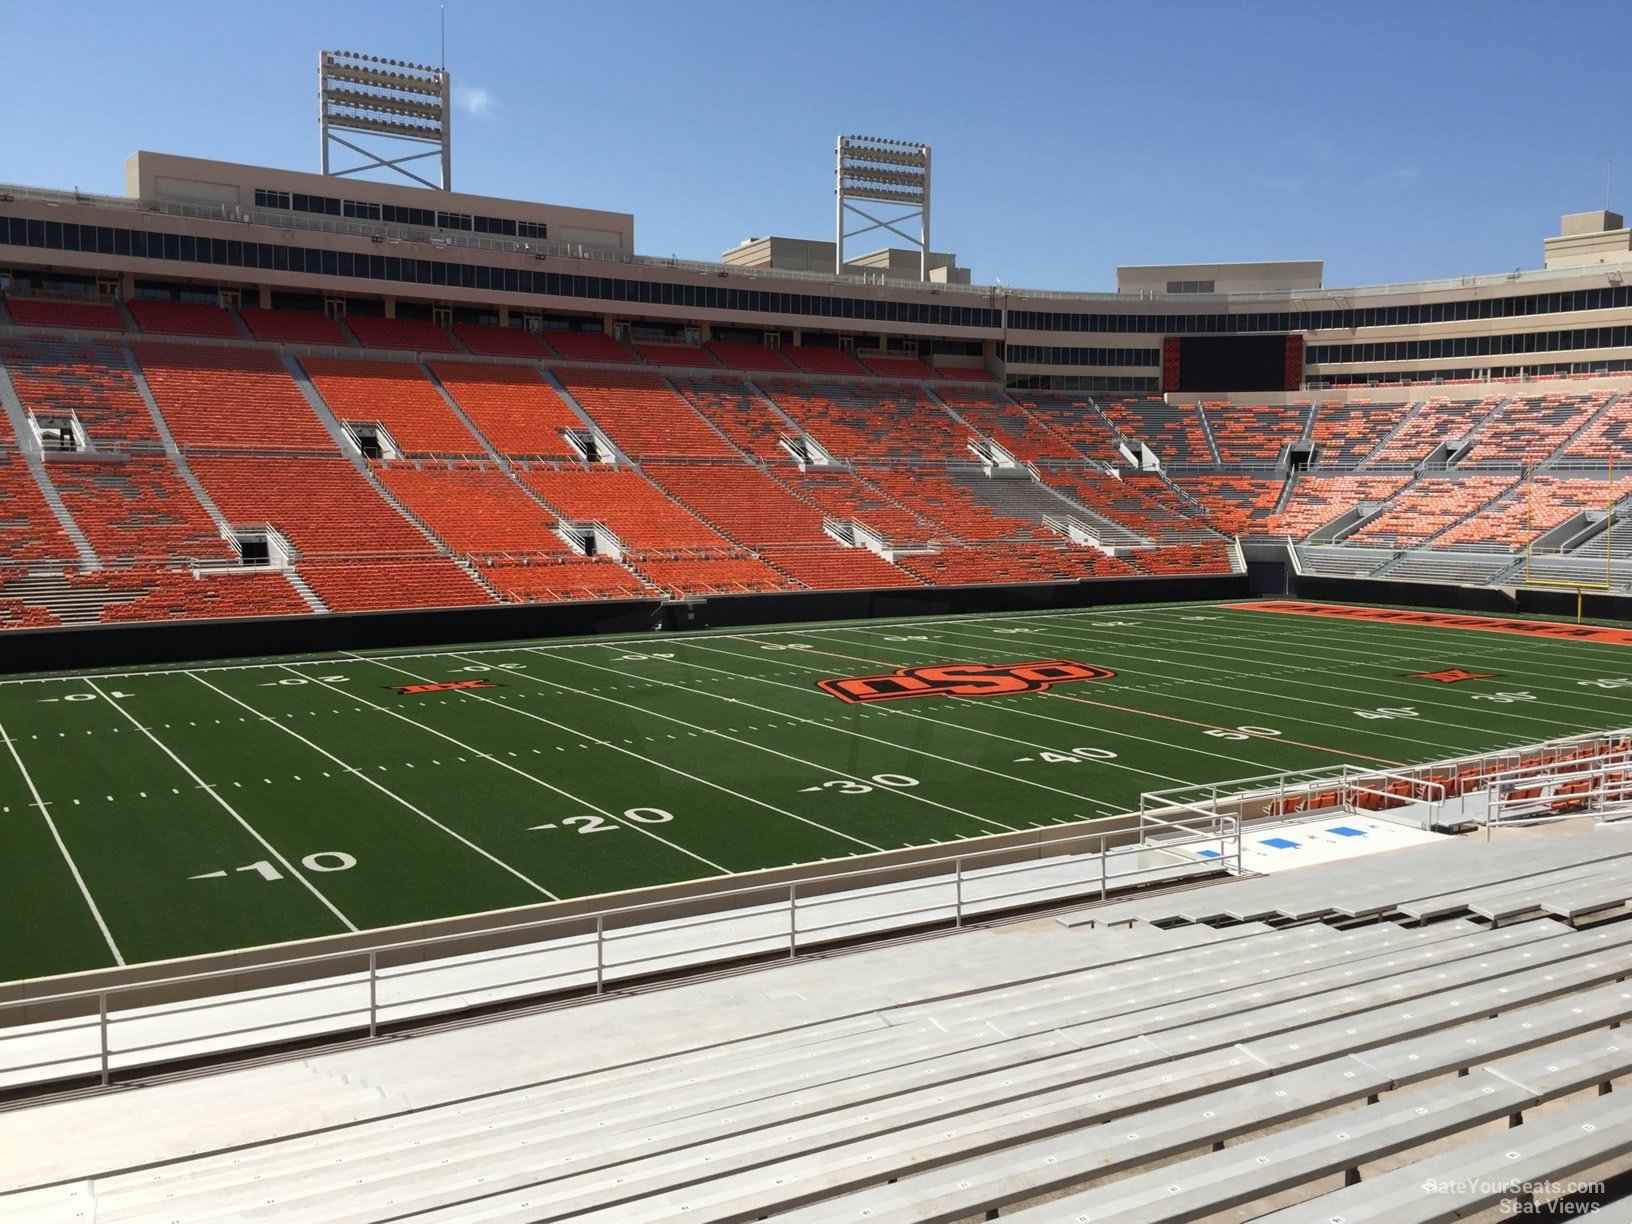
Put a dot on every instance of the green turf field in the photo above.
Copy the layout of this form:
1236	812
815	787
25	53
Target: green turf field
163	812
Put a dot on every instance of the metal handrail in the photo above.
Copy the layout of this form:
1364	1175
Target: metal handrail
329	971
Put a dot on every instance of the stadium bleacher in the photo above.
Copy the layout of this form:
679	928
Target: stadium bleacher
588	346
515	409
28	529
475	510
397	395
294	327
408	335
634	509
383	586
230	399
487	341
138	509
750	357
91	381
72	315
645	415
166	318
731	406
868	421
689	356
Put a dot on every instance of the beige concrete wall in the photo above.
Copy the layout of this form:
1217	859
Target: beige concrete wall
164	176
1226	277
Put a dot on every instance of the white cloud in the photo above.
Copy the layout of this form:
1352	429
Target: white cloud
474	101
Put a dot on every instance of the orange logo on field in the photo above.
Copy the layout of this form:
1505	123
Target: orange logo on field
962	680
414	690
1452	675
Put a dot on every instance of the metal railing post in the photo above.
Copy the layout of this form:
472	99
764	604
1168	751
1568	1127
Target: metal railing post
600	953
793	919
957	884
1102	866
373	993
102	1030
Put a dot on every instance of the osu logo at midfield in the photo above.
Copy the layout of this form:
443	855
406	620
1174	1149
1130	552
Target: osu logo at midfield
962	680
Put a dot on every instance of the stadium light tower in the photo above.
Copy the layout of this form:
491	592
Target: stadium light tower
894	172
367	95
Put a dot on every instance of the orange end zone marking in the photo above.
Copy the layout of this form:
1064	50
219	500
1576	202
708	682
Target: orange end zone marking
1444	620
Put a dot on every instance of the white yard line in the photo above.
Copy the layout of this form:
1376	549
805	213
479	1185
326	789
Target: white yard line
225	806
488	756
73	868
827	769
390	794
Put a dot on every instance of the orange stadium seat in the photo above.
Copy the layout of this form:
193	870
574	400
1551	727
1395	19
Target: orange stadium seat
644	415
823	360
230	399
28	529
474	510
866	420
410	335
516	410
486	341
294	327
397	395
138	510
383	586
78	316
748	356
589	346
324	506
632	508
91	381
164	318
995	416
732	408
689	356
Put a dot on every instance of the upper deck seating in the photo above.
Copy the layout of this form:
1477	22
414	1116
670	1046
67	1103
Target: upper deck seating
138	510
965	373
486	341
1142	504
475	510
936	496
1237	505
294	327
688	355
91	381
1317	500
1534	507
1345	433
742	502
1254	433
734	409
589	346
1530	428
868	420
410	335
384	586
823	360
1438	421
748	356
898	367
645	415
165	318
324	506
843	495
230	399
995	416
1427	507
516	410
395	394
1173	431
77	316
1077	420
1609	435
635	511
28	529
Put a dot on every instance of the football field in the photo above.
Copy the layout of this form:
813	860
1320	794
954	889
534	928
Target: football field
154	813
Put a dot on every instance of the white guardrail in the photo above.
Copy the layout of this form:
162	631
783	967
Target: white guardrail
93	1032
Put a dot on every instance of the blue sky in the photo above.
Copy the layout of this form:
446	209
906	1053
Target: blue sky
1397	141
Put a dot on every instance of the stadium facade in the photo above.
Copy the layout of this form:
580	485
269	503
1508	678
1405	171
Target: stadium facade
218	231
